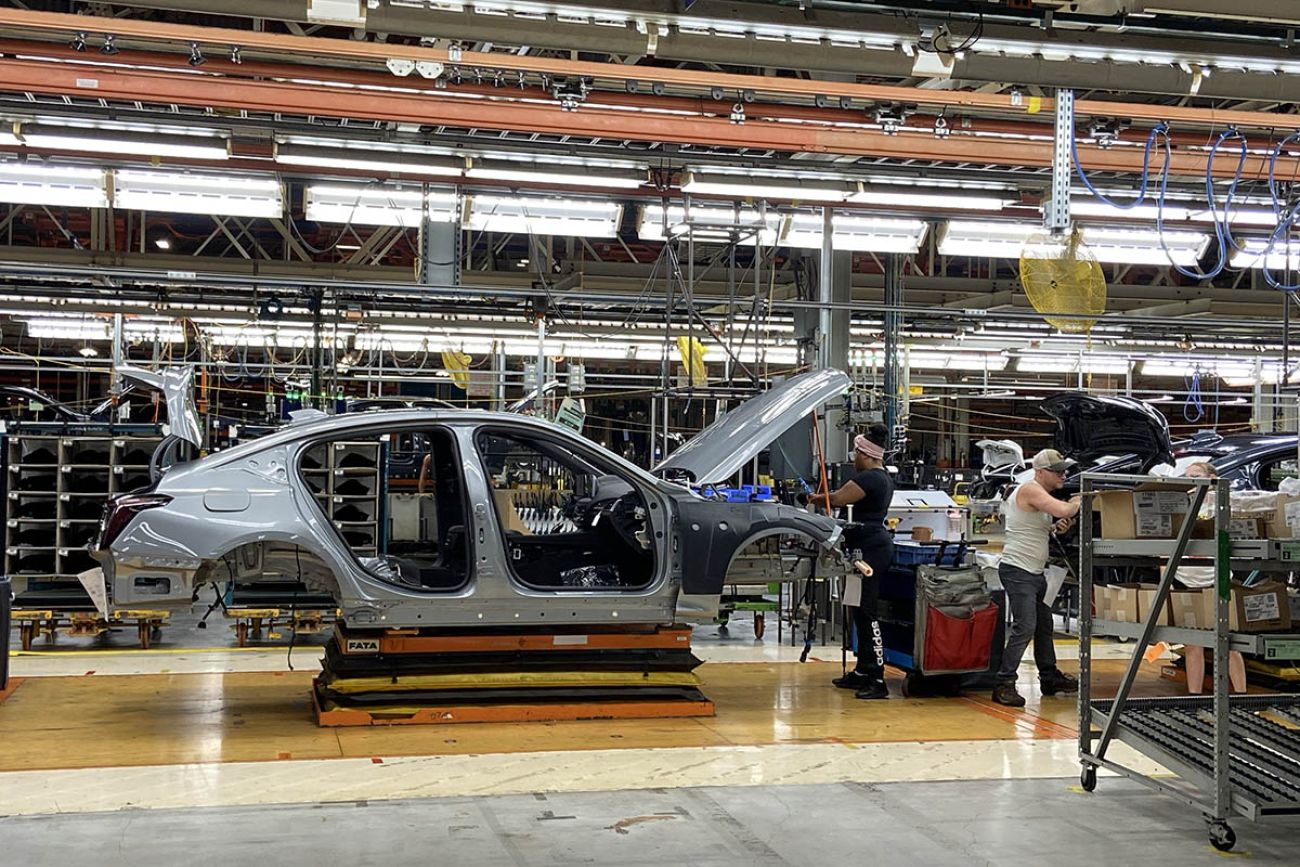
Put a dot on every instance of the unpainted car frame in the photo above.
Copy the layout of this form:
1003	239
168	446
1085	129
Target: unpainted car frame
227	515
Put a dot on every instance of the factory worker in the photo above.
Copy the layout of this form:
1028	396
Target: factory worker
870	492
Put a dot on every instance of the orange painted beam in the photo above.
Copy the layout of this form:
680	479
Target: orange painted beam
314	48
438	108
399	641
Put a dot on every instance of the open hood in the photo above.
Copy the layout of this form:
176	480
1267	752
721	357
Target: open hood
734	440
177	387
1089	427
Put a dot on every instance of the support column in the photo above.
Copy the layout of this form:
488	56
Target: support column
893	360
834	287
439	249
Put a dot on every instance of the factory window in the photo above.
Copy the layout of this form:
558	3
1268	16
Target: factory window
397	500
568	524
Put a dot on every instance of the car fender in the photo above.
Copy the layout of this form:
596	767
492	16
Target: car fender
710	533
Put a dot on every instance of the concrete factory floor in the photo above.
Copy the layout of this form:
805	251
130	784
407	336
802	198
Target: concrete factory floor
202	753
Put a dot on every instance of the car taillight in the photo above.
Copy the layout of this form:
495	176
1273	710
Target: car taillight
119	511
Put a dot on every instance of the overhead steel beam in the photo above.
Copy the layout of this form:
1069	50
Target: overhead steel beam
429	107
1112	72
318	49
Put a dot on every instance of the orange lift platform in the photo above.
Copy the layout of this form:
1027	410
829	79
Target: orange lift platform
440	676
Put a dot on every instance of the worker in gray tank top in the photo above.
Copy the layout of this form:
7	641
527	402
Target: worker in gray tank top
1032	514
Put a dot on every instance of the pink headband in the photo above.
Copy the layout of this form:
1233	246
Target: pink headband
868	448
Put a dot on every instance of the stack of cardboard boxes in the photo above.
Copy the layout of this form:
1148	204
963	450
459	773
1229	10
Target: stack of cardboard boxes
1156	510
1262	607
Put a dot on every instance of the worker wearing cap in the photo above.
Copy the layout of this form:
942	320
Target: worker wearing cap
1032	514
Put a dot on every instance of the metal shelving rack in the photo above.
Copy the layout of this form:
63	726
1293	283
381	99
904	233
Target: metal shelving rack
56	488
1234	755
349	487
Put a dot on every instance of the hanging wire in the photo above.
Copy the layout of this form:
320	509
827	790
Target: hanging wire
1222	226
1194	406
1286	218
1159	130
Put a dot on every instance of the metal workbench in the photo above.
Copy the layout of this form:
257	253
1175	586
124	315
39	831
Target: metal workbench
1234	755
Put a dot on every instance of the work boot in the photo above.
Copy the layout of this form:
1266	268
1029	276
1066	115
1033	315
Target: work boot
852	680
1055	681
874	689
1005	694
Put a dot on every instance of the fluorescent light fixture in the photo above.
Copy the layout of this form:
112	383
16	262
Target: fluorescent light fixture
1108	243
1177	211
1285	255
1145	246
750	185
1235	372
392	159
538	215
184	193
98	328
197	146
1064	364
709	223
377	205
801	229
921	359
558	172
854	232
38	183
889	196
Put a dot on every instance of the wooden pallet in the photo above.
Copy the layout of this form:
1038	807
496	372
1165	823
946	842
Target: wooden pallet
327	716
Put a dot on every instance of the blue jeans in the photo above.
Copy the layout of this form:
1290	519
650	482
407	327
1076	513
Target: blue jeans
1031	621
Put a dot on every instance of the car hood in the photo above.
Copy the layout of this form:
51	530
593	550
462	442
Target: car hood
1090	427
717	453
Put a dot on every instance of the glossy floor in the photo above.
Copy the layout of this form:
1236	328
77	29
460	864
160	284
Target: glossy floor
1008	823
103	728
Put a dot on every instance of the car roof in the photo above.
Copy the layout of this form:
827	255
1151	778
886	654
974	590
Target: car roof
383	419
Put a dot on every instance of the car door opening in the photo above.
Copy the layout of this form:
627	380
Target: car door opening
568	524
397	500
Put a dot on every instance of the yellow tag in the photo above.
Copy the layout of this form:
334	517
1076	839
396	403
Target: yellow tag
915	390
1035	105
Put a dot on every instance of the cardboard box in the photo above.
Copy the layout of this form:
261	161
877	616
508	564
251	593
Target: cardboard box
1192	609
1127	603
1247	528
1284	523
1263	607
1153	510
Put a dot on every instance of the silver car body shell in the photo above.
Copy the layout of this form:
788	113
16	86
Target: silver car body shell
253	493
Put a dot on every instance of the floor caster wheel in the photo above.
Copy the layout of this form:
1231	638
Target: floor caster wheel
1222	837
241	634
1088	778
26	635
910	684
759	625
143	631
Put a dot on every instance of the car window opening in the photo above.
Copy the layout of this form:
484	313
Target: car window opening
568	525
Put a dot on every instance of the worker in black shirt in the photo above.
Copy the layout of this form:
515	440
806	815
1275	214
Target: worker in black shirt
870	492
